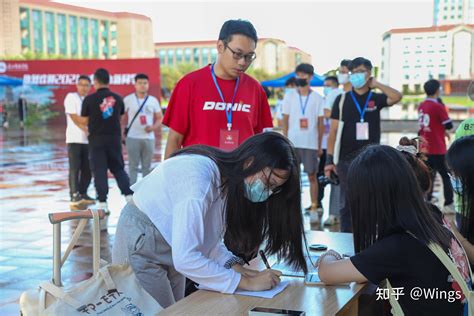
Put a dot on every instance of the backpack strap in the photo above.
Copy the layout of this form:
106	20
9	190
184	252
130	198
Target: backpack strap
453	270
396	308
59	293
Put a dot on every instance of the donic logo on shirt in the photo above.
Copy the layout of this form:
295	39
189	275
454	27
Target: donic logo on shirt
221	106
107	107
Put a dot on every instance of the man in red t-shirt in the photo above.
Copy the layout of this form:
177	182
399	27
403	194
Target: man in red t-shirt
434	121
219	105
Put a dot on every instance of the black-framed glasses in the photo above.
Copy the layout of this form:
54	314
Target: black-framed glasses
238	55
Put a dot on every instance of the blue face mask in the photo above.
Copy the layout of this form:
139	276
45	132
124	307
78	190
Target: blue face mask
358	80
288	90
256	191
456	184
326	90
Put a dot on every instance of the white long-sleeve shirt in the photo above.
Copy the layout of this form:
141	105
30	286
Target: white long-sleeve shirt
183	200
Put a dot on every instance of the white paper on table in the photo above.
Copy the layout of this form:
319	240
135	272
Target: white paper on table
265	294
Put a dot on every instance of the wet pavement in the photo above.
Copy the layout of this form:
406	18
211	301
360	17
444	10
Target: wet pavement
33	183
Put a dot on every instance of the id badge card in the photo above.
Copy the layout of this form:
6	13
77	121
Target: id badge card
228	140
142	119
303	123
362	131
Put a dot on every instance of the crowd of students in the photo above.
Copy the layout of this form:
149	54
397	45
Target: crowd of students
228	187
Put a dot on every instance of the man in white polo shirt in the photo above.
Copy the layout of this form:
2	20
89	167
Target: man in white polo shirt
303	124
77	144
142	120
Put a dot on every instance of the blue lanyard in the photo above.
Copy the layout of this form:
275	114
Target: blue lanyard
140	107
228	111
303	108
361	112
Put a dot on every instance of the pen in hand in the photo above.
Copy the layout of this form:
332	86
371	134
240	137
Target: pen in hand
264	259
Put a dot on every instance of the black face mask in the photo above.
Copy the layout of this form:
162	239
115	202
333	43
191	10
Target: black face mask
301	82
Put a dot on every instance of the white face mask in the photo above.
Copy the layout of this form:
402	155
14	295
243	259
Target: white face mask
343	78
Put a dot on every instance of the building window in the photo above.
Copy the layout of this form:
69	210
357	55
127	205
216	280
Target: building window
95	37
179	55
187	55
417	88
24	18
113	30
84	37
407	77
50	33
38	30
298	58
205	55
196	56
62	35
213	55
104	28
170	60
73	36
25	28
162	56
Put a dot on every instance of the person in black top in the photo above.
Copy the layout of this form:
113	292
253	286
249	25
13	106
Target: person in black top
361	117
460	159
393	226
101	111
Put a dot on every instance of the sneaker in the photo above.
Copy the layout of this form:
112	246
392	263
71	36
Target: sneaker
320	211
314	217
332	220
75	199
310	208
129	198
87	199
449	209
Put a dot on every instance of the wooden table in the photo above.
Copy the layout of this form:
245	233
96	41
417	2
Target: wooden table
314	300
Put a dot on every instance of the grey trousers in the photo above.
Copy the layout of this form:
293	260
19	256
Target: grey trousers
139	243
140	151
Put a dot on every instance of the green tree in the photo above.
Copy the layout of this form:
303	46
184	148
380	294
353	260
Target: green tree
261	75
170	75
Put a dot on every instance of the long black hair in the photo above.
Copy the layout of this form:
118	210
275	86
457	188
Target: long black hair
278	221
460	159
385	197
